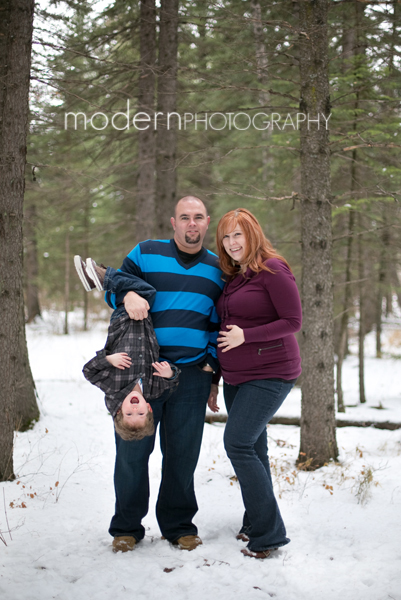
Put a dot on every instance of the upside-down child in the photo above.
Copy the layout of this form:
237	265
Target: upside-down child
128	364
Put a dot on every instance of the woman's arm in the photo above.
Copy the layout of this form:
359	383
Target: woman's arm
284	295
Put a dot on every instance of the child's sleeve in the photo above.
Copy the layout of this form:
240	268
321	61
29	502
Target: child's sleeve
129	278
97	369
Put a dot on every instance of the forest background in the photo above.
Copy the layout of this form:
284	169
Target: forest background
97	190
85	189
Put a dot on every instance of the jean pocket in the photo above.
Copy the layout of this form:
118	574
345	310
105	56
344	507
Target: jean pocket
203	371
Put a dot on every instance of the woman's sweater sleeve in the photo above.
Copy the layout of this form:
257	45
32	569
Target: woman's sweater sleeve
283	291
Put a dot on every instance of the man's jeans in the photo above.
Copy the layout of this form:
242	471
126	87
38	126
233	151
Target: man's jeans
181	414
250	407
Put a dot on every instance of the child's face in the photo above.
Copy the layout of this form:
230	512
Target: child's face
135	408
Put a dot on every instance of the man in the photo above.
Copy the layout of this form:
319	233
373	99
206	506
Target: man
187	280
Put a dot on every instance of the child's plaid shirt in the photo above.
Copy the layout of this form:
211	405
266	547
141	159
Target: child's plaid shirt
138	340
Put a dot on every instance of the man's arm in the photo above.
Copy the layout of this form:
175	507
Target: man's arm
136	306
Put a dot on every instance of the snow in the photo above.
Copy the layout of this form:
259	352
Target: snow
343	520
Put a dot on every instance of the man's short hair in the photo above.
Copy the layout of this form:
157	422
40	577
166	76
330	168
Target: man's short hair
189	198
129	433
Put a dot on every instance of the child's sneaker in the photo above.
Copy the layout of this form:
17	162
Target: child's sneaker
96	273
81	269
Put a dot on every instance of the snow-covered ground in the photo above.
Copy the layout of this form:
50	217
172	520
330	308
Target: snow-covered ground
343	520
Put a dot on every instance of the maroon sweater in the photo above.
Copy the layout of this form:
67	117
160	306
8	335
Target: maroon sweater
268	308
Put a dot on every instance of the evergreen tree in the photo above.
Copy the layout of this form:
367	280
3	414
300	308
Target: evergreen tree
17	396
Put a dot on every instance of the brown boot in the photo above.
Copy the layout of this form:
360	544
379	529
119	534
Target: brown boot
123	543
188	542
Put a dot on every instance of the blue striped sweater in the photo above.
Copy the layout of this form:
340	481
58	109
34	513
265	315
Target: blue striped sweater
183	312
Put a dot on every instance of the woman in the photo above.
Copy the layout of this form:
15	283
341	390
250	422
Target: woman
260	310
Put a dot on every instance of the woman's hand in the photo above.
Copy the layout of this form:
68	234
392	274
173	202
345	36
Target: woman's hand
120	360
231	339
162	369
212	400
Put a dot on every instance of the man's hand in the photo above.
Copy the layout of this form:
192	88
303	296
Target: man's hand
120	360
212	401
136	306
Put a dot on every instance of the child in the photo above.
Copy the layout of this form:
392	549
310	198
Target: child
128	361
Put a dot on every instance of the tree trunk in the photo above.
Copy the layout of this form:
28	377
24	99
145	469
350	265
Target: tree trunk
264	96
27	410
318	439
67	282
342	346
31	263
86	255
348	43
146	184
16	25
383	288
166	179
351	49
379	329
361	331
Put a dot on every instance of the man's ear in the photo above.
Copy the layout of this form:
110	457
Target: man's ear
172	221
149	407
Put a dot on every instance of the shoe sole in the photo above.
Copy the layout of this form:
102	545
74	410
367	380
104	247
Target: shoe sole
189	548
81	274
260	555
90	267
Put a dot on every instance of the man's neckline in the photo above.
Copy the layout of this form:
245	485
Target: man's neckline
186	259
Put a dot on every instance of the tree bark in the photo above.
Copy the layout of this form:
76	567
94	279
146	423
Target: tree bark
67	282
296	421
86	255
361	330
264	96
318	438
16	25
342	346
146	183
351	49
383	287
166	179
31	263
27	410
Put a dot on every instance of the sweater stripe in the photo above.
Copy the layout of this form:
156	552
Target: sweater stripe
177	282
187	319
182	301
183	312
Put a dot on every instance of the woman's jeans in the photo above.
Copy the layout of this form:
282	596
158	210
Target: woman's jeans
250	406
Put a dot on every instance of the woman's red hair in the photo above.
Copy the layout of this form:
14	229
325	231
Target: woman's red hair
258	249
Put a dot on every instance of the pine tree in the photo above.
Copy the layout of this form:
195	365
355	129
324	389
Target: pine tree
17	396
318	440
